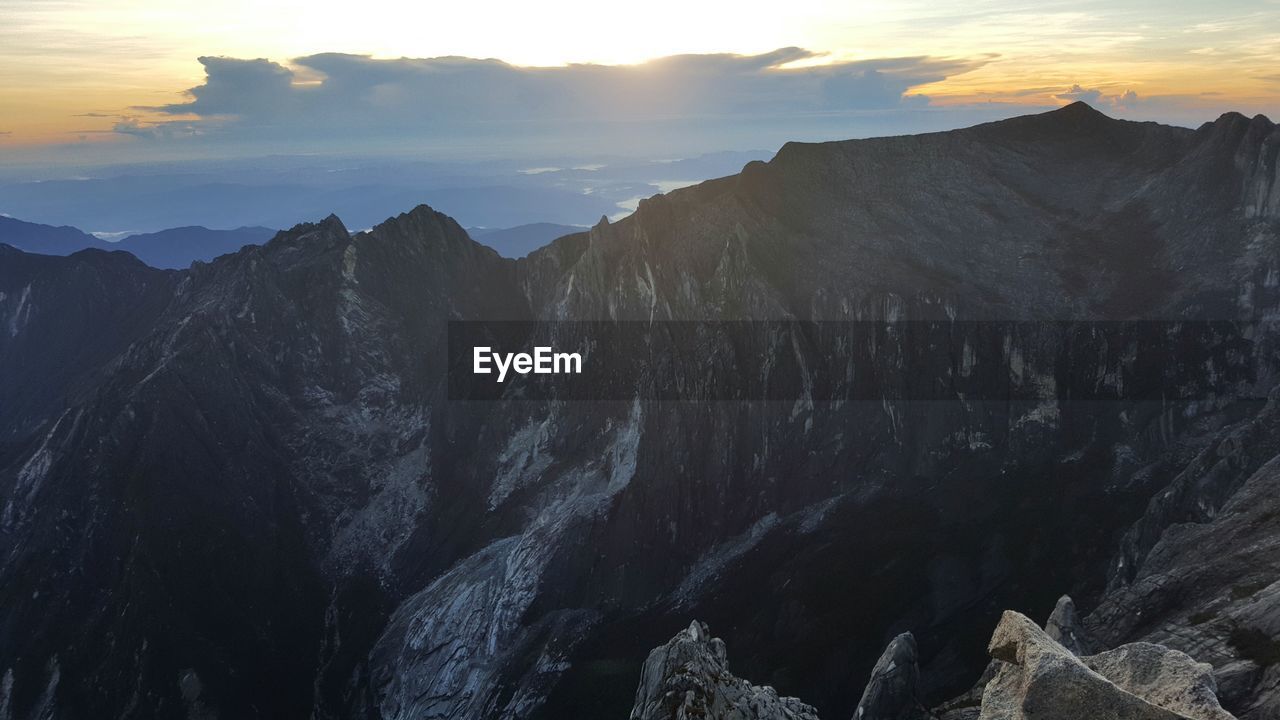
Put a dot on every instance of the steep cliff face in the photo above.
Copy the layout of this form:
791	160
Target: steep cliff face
1200	572
262	503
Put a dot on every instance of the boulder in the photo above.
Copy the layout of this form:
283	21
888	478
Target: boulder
1041	680
1163	677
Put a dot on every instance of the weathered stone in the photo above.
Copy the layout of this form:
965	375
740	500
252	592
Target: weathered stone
1065	628
1042	680
1163	677
893	692
689	678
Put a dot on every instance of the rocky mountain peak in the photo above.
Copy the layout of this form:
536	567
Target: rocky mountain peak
689	678
893	691
1078	117
1066	628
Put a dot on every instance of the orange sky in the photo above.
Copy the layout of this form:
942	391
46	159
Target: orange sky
71	71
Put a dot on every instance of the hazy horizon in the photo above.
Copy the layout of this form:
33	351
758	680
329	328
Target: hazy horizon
136	115
126	81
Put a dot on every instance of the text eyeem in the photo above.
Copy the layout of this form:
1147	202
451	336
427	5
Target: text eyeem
543	361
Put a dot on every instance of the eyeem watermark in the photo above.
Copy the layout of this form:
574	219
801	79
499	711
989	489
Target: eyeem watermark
1049	362
543	361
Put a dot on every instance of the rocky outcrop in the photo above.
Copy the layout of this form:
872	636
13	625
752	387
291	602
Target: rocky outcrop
1210	587
1041	680
893	692
1065	628
1031	677
1162	677
689	678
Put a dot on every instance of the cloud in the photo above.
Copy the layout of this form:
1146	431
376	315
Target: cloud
1096	96
136	127
1079	94
132	126
257	88
333	95
1128	98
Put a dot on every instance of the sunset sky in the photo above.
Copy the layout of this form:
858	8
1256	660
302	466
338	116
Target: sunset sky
122	71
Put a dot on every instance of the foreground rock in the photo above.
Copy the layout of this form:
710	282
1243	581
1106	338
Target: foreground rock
893	692
1041	680
689	678
1032	676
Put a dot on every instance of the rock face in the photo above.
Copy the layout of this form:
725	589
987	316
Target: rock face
249	494
893	692
689	678
63	320
1211	588
1040	679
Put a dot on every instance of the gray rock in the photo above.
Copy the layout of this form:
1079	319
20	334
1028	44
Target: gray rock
893	692
689	678
1065	628
1210	586
1163	677
1042	680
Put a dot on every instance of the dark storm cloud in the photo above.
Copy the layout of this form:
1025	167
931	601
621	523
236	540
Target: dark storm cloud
353	94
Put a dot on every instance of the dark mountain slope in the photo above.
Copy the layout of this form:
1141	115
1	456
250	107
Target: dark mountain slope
268	507
1013	218
63	321
210	526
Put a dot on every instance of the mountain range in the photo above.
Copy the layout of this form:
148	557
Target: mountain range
174	248
177	248
242	489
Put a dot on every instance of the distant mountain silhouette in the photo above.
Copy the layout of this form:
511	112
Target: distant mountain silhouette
175	248
46	239
178	247
518	241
